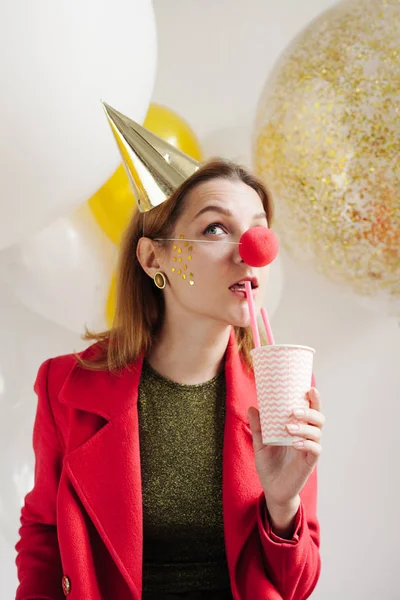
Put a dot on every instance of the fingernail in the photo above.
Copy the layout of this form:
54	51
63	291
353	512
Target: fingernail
293	427
298	444
299	412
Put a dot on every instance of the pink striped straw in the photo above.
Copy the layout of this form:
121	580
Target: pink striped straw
267	326
253	320
252	310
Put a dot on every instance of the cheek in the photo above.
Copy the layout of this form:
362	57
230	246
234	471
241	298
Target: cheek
205	267
180	264
191	264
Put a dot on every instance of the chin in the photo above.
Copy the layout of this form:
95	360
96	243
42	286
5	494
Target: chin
240	321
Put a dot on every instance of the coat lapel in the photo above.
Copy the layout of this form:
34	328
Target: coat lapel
102	459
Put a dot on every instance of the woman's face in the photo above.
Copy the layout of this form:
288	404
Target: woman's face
201	273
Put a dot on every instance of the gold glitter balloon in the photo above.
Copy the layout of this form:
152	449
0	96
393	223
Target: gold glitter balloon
327	143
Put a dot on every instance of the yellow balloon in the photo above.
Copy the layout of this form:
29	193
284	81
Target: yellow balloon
113	205
110	306
168	125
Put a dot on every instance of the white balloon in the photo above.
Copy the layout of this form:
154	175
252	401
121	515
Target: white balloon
57	60
64	271
234	143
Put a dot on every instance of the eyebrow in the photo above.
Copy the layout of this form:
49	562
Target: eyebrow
226	211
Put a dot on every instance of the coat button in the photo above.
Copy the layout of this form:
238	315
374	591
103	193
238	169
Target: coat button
66	585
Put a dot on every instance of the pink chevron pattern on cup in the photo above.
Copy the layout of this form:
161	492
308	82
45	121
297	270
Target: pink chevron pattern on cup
283	377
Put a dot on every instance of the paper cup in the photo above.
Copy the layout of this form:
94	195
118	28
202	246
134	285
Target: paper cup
283	377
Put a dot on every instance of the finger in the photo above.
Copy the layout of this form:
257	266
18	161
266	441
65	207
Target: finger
255	426
310	415
312	448
303	430
314	398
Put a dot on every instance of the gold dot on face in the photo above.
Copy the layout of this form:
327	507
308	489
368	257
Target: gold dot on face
190	257
179	250
186	244
174	258
179	259
185	267
191	282
190	248
191	275
179	271
173	269
181	237
175	246
183	276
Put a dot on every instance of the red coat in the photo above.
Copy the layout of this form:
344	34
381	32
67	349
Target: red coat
83	518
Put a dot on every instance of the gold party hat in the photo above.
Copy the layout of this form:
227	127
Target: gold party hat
155	168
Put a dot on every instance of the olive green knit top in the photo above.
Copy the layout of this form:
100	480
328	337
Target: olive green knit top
181	441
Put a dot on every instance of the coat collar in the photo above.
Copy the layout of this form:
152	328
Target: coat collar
110	395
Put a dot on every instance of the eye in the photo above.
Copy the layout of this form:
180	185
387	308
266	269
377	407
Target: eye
213	226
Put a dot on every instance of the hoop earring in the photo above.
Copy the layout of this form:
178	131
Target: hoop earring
160	280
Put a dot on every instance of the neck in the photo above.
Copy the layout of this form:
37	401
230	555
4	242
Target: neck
190	350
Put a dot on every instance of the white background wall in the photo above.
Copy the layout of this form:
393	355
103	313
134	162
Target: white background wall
214	57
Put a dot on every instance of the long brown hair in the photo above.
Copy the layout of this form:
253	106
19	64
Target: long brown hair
139	308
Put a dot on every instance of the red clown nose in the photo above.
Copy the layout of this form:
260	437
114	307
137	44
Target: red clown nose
258	246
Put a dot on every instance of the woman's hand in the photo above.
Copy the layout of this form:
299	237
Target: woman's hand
284	470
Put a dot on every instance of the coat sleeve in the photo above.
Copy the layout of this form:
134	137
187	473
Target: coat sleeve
294	565
38	559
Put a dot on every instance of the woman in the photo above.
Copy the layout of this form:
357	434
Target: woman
151	479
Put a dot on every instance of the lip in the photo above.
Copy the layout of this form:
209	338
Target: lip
242	293
253	281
